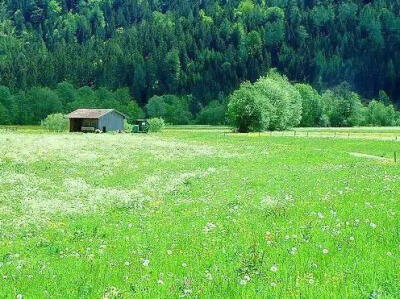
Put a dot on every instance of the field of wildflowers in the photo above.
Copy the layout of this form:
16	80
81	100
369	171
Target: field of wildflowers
187	213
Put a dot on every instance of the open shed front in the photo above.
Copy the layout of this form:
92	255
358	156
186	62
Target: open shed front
82	124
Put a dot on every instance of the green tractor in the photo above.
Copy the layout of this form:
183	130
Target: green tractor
140	126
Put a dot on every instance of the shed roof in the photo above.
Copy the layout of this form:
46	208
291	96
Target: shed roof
92	113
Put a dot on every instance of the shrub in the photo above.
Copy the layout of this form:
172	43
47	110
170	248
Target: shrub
343	107
56	122
380	115
127	126
270	103
212	114
312	106
285	99
173	109
43	102
156	124
248	110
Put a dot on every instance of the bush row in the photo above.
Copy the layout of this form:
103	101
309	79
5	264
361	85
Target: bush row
273	103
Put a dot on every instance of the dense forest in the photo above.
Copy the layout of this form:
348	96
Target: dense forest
202	50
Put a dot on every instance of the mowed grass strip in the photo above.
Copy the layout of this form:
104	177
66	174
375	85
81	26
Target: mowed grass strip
197	213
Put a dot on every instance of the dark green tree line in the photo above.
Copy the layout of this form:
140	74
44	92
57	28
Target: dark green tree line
202	48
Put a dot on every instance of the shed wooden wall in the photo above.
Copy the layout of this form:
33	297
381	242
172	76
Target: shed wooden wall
112	121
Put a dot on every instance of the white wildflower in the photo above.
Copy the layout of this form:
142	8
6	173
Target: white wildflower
274	268
209	227
325	251
209	275
145	262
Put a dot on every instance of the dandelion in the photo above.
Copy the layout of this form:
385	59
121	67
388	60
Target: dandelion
320	215
184	265
351	238
325	251
145	262
274	268
19	296
293	251
243	282
127	263
273	284
247	277
169	252
160	281
373	225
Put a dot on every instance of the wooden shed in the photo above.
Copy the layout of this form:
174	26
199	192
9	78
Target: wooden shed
90	120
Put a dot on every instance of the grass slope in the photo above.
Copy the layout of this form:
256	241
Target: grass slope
197	213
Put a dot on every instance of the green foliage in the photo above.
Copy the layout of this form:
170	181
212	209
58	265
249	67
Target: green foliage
8	107
213	114
155	124
283	98
248	110
343	107
42	101
55	122
312	106
272	102
207	49
181	47
173	109
380	115
34	105
127	126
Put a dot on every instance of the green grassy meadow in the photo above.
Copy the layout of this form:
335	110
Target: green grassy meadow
199	213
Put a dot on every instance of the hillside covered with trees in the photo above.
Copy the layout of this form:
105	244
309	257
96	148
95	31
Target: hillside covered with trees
200	51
